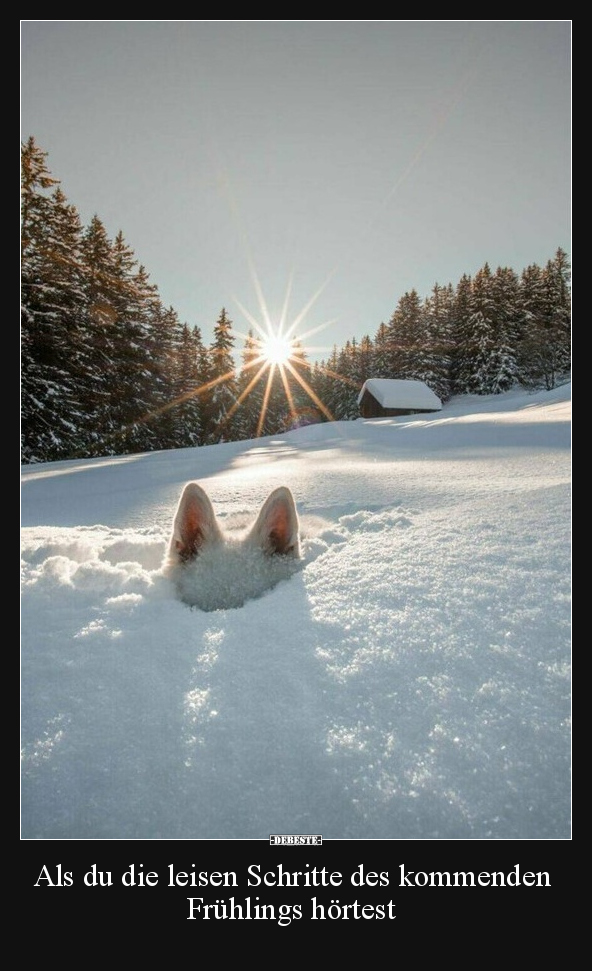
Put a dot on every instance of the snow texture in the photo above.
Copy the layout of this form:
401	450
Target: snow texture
391	393
411	680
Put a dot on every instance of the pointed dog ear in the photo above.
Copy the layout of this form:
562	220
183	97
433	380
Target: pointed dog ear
195	524
276	529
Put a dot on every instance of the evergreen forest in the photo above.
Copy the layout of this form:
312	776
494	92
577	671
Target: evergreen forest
107	369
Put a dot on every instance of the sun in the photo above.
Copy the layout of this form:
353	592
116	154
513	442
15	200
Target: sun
276	358
276	349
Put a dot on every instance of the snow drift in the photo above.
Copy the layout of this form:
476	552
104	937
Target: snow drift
410	681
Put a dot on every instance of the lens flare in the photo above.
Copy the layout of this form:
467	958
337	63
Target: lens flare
276	349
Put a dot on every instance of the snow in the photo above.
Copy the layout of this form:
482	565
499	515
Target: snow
392	393
410	681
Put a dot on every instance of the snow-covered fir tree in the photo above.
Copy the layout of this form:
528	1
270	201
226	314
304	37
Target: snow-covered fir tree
380	358
165	338
507	329
330	392
188	407
544	352
53	341
462	351
434	362
251	389
222	393
480	333
131	378
300	406
406	336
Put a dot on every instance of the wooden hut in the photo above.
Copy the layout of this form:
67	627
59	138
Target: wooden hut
385	397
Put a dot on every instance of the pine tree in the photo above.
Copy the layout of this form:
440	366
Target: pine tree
331	385
187	412
204	374
461	337
131	380
251	386
347	389
407	336
321	384
35	205
299	407
52	340
366	358
276	414
508	325
381	357
489	334
99	315
481	330
355	365
220	399
105	368
164	348
544	351
533	357
556	277
434	358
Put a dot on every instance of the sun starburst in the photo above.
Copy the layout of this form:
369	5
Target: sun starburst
277	349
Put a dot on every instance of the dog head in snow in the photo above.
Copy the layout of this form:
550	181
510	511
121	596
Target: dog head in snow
214	570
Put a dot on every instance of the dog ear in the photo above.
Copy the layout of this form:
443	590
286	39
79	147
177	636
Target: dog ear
276	527
194	525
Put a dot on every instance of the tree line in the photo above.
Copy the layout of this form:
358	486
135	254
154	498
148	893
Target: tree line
482	336
107	369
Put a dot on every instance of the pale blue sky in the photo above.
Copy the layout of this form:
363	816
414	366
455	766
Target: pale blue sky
370	156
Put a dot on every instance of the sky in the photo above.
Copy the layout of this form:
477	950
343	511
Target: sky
317	169
410	680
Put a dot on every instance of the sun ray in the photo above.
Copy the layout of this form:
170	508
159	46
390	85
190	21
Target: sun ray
288	391
187	395
212	384
311	394
315	330
260	296
252	320
334	374
318	348
308	306
278	347
284	313
265	402
249	387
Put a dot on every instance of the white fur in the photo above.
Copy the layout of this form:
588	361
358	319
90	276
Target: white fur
213	570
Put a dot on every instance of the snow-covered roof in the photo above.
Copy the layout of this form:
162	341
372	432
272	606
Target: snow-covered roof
398	393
